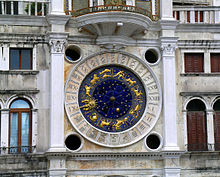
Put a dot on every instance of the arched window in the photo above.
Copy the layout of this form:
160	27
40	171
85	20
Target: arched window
196	126
20	126
216	108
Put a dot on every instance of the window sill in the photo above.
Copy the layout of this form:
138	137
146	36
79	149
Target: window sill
20	72
34	91
200	74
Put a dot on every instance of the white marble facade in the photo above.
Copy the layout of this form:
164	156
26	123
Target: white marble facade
119	38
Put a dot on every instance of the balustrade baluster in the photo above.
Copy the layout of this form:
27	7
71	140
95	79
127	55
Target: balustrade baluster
35	12
2	6
12	7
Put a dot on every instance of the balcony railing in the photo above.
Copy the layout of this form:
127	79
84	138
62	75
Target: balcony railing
104	8
17	150
24	7
202	14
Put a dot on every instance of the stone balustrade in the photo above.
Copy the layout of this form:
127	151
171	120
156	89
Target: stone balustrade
197	14
24	7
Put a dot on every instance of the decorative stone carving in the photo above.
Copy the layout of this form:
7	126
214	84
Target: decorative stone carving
57	45
168	49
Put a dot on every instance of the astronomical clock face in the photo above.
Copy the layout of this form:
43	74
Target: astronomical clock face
112	99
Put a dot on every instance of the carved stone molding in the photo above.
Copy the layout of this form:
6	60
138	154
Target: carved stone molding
57	45
168	49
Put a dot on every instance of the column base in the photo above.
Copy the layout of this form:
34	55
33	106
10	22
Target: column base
57	149
171	148
57	172
171	172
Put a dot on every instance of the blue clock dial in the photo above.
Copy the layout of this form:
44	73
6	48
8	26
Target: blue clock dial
112	98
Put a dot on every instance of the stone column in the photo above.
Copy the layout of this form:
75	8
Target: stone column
57	7
57	43
166	9
210	130
168	46
185	129
4	130
34	127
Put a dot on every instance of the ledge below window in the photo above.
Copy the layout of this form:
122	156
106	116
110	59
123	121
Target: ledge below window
34	91
20	72
200	74
199	93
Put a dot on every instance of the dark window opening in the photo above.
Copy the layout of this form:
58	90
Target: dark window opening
151	56
72	53
201	16
20	127
73	142
194	62
153	141
188	16
196	16
20	58
196	126
216	108
215	62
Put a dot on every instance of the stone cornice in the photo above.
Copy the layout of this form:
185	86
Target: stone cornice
200	74
28	91
104	17
57	19
19	72
23	20
168	24
199	93
26	38
208	28
212	44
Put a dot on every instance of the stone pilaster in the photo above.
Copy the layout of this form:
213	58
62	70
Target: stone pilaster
210	130
57	43
4	130
166	10
168	46
171	164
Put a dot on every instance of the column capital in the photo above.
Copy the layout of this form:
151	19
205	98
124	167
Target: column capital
57	45
168	45
168	24
57	19
57	42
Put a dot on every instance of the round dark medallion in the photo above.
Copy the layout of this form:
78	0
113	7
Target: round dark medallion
112	98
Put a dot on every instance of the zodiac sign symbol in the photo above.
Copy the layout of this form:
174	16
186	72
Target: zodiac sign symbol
88	89
135	111
137	92
131	82
105	71
89	104
94	80
119	123
105	76
120	74
103	123
94	117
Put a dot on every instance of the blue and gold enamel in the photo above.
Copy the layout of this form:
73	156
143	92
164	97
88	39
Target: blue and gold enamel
112	98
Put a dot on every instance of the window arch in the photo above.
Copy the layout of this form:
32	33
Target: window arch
216	108
20	128
196	126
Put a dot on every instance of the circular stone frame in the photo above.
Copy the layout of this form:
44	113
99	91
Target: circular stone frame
77	49
152	90
81	139
154	50
158	136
